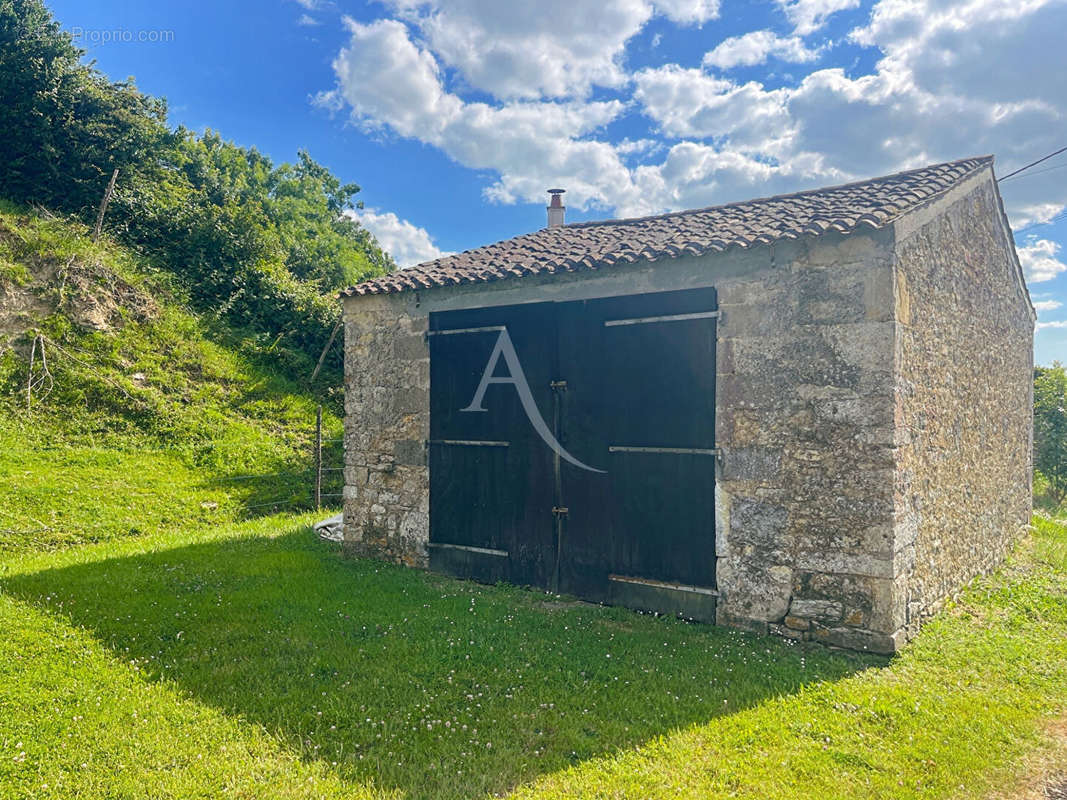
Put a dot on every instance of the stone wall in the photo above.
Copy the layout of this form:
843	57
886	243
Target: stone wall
387	422
963	398
805	423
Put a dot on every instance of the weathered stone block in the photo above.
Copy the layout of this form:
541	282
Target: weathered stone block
816	609
752	590
410	347
758	523
858	639
848	563
834	250
878	300
754	319
752	464
410	452
751	292
830	297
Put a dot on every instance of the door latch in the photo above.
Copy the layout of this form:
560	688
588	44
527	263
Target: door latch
560	512
558	386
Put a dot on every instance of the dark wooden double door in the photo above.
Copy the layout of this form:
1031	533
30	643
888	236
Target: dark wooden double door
599	480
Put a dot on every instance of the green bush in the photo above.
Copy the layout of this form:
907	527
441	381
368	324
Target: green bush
261	247
1050	436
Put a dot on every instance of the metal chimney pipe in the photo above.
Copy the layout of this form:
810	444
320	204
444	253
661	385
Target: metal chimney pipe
556	209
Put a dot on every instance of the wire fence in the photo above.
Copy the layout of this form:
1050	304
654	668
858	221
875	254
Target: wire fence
317	486
321	485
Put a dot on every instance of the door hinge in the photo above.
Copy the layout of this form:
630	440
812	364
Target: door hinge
560	511
558	386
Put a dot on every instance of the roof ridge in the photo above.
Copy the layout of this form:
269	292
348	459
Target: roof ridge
844	208
981	161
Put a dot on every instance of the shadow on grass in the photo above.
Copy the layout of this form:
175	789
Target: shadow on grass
288	486
439	688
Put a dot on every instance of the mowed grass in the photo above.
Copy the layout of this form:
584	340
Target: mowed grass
72	493
253	661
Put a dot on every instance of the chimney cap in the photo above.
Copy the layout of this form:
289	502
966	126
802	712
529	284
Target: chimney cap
555	208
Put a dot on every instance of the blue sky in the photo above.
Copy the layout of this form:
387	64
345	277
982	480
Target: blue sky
455	115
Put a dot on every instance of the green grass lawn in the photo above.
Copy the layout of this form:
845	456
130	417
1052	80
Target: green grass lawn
253	661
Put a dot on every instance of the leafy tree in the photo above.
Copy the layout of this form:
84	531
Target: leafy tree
65	126
1050	428
263	247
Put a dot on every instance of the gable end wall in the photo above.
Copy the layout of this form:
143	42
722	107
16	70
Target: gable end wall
963	397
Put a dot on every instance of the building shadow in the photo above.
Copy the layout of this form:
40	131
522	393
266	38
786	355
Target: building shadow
286	485
439	688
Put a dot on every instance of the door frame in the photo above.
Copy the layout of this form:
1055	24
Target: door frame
492	563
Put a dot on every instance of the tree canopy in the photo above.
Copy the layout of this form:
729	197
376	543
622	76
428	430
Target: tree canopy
1050	428
263	246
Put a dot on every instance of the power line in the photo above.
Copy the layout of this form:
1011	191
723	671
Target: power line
1050	221
1041	171
1032	164
1017	173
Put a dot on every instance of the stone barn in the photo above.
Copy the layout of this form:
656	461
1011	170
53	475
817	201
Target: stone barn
807	414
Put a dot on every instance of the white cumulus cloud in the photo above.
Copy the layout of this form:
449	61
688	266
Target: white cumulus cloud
1046	305
931	97
549	48
807	16
1039	261
407	243
505	88
688	12
691	103
554	48
755	48
530	144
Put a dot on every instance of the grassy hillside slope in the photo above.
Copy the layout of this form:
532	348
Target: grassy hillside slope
152	411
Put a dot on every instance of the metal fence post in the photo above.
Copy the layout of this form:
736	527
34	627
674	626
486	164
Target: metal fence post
318	459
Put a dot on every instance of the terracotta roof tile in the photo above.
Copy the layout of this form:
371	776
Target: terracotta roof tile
591	245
